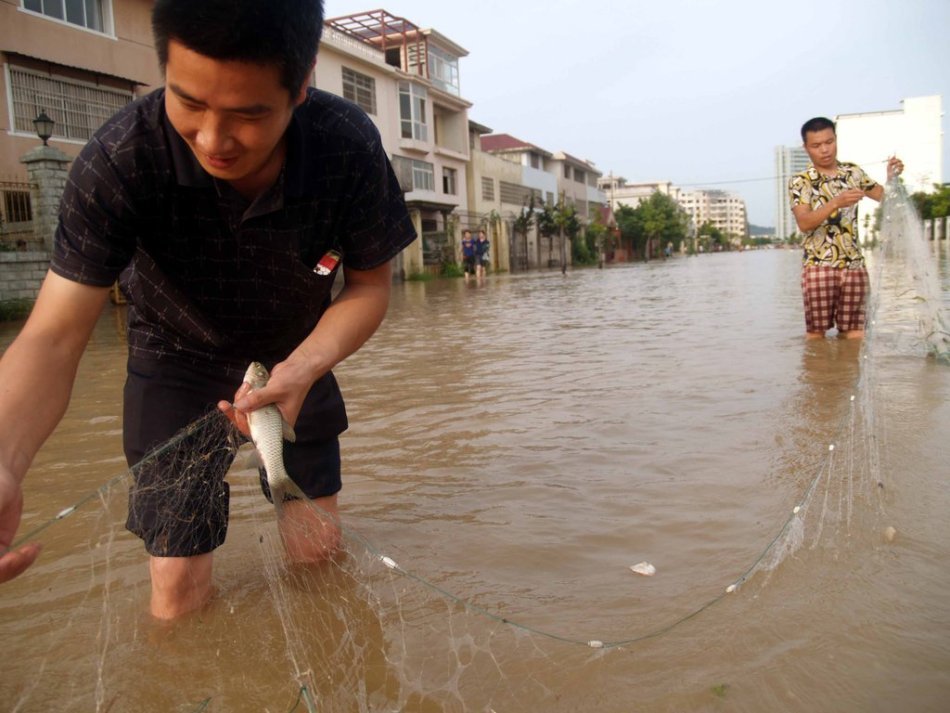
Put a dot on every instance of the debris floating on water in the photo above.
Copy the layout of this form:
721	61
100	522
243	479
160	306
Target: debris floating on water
890	533
644	568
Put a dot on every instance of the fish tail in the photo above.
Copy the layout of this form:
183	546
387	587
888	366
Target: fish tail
283	487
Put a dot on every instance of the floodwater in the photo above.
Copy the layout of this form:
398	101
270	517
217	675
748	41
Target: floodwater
514	448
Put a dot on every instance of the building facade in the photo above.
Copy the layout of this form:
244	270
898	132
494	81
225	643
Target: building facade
407	79
77	63
913	132
725	211
515	175
618	192
547	179
578	184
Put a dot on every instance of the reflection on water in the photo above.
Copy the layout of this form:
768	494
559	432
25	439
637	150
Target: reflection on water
520	443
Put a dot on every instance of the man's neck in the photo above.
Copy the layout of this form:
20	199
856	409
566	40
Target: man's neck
256	184
830	171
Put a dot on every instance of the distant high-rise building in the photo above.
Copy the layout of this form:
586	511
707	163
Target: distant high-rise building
789	160
723	210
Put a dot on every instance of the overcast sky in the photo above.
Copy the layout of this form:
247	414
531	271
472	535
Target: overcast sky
699	92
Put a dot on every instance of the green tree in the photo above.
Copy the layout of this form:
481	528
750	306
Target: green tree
712	234
547	217
598	239
559	220
522	224
933	205
569	227
655	222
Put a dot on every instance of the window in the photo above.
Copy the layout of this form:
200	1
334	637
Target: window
423	176
515	193
413	175
78	108
444	70
535	160
449	181
85	13
579	176
359	89
16	207
567	171
412	111
488	189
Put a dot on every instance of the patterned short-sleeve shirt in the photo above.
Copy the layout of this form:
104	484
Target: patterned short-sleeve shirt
835	242
210	277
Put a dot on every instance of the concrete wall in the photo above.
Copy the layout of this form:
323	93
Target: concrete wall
22	273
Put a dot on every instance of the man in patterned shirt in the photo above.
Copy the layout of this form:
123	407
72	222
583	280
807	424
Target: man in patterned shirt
824	201
223	203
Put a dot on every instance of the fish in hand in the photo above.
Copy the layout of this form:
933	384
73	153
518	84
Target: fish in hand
268	432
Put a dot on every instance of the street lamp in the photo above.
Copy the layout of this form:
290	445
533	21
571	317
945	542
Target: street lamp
44	127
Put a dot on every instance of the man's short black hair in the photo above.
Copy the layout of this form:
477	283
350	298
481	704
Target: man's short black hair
819	123
284	33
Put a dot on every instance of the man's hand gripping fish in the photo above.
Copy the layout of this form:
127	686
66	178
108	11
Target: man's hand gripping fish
268	431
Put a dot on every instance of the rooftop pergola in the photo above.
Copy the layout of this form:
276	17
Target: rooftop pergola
384	31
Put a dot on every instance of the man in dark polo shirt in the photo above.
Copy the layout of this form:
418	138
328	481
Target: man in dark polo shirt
224	203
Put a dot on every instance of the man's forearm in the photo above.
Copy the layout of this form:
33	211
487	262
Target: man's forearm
36	378
38	368
808	220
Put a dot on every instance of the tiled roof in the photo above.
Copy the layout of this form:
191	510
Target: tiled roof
507	142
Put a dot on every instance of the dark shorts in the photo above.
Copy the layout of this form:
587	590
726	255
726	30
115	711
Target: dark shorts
834	297
468	263
178	502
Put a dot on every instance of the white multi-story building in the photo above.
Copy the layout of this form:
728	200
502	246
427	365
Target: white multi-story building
407	79
620	193
723	210
912	132
789	160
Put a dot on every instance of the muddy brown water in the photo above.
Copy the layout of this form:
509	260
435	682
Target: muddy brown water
515	446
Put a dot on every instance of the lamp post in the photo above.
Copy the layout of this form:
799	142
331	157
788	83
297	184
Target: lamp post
46	168
44	127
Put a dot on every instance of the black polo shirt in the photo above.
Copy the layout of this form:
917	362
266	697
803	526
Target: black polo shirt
211	279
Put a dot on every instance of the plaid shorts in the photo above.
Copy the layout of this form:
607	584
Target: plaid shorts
834	297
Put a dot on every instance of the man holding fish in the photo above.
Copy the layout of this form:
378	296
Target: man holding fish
224	202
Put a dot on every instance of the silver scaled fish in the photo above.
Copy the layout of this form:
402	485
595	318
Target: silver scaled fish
268	431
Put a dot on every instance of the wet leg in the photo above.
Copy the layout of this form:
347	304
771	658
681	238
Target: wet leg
180	584
311	530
